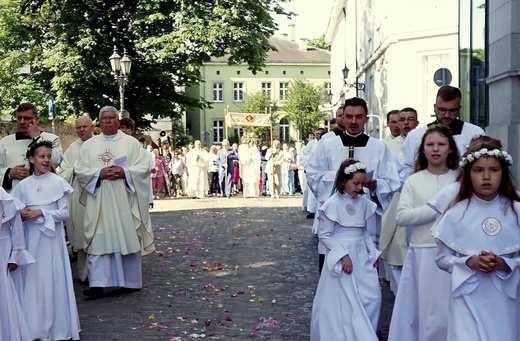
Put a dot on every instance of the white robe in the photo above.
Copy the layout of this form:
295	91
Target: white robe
408	152
392	241
12	153
420	306
249	158
74	225
325	162
309	200
115	241
47	295
197	162
346	306
13	325
481	306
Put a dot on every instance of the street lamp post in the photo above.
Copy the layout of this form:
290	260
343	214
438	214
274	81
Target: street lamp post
121	69
358	86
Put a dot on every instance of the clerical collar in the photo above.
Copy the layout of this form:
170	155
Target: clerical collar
455	126
21	136
110	137
352	135
359	140
337	131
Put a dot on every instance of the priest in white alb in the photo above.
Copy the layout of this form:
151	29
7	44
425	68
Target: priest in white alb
382	178
113	171
74	225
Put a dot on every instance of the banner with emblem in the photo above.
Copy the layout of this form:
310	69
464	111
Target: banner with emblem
248	120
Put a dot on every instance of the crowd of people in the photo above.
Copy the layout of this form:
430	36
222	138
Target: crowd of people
433	210
226	169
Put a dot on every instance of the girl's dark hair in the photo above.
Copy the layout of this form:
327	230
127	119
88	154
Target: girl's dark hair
31	148
342	178
507	186
453	159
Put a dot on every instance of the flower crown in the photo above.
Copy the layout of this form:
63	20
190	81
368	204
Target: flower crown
484	152
31	148
354	168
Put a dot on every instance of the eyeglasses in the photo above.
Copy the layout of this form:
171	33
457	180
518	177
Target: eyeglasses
409	119
443	111
109	118
25	118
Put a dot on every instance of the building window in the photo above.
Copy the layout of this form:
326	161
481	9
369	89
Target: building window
238	92
267	72
218	131
328	89
266	88
284	72
238	132
301	72
284	87
238	72
218	72
284	130
327	125
218	95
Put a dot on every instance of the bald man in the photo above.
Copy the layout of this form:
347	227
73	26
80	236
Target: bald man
75	230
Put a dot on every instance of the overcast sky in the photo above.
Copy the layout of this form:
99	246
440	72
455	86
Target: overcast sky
312	19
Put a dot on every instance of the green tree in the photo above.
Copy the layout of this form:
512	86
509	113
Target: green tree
16	84
261	103
69	43
301	108
319	43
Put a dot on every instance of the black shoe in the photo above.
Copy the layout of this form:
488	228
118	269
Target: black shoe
127	290
94	292
310	216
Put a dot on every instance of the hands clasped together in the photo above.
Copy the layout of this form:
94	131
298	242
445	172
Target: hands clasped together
112	173
487	262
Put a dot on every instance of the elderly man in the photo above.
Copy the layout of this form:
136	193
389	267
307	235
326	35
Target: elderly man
113	170
75	231
13	164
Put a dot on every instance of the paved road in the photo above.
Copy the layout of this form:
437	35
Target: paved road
223	270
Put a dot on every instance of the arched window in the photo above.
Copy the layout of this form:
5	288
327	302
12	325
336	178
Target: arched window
284	130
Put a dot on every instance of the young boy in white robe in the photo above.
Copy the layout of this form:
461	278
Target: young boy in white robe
12	255
348	298
47	294
479	240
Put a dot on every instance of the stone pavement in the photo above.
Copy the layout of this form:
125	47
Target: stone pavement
224	269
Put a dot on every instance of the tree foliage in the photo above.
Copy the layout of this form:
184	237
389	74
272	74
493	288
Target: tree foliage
301	108
261	103
67	43
319	43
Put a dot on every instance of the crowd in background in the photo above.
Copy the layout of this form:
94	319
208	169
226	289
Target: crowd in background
197	171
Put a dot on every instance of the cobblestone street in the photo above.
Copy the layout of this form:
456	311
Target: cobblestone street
237	272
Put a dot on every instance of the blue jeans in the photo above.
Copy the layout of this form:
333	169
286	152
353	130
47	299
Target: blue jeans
290	177
264	176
